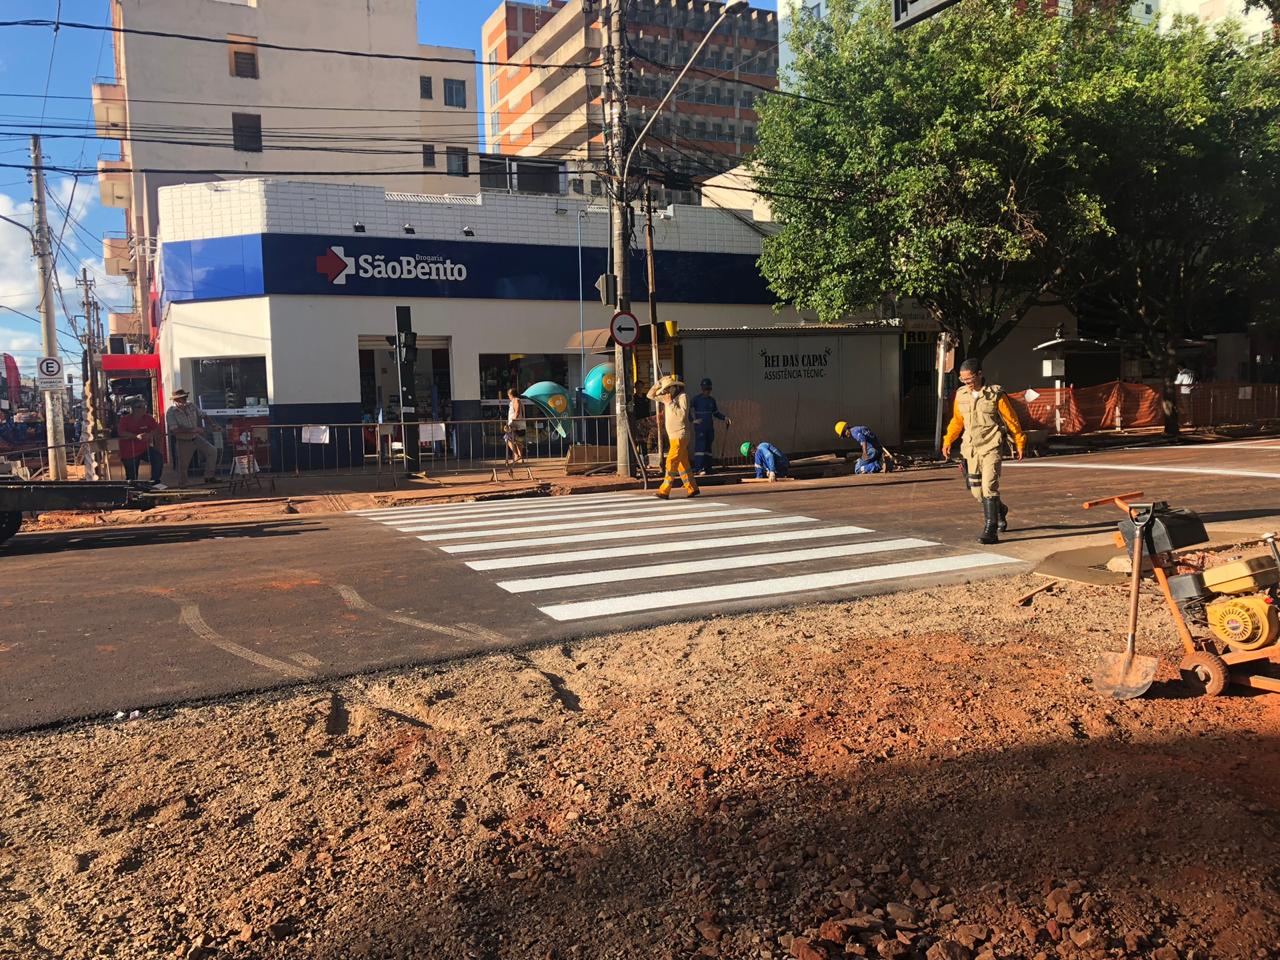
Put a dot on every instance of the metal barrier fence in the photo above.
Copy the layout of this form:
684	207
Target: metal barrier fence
444	447
32	462
375	449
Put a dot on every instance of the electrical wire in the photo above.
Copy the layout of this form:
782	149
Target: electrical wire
53	50
240	174
36	320
287	48
261	106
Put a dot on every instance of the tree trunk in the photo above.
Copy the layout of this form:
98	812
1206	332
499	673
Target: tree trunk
1167	364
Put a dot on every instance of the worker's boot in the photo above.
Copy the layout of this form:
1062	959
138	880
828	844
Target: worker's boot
991	520
1004	515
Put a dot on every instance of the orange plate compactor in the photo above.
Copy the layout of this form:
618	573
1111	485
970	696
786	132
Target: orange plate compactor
1234	607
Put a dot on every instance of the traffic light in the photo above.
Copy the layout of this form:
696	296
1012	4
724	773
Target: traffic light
409	347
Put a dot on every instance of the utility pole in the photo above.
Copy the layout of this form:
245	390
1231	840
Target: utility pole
93	385
617	69
653	297
44	257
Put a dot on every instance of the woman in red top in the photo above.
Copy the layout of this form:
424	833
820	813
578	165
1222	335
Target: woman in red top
138	431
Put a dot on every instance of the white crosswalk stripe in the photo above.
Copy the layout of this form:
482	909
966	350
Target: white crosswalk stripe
488	520
593	524
622	553
752	589
745	562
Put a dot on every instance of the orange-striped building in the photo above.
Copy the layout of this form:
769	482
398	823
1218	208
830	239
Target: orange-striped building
546	97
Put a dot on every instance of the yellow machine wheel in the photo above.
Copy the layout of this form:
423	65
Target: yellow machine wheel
1244	623
1205	673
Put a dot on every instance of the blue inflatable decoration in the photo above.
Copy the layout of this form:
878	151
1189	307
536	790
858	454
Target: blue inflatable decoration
598	388
553	400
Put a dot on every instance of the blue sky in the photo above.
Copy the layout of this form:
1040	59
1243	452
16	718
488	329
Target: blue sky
70	61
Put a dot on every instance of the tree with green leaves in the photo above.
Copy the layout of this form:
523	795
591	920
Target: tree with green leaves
931	163
1187	175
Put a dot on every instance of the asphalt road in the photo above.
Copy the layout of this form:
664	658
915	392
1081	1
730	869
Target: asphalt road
92	622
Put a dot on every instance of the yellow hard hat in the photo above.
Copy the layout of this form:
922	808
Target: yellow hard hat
841	427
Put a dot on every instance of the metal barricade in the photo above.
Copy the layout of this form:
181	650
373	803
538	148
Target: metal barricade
444	447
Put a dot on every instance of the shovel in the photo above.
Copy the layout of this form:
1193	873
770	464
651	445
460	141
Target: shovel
1125	676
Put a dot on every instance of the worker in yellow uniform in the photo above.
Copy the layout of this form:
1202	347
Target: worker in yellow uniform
984	415
669	393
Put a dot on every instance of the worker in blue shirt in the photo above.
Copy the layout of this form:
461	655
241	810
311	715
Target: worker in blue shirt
704	413
872	459
769	460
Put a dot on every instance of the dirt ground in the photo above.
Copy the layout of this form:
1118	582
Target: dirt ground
921	775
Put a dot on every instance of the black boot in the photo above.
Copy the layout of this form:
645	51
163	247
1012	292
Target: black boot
1004	515
991	520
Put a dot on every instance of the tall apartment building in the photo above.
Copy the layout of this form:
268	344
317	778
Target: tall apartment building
544	103
187	111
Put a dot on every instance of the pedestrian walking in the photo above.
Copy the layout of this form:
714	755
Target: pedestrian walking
516	430
872	459
139	435
186	426
670	395
770	462
705	415
985	416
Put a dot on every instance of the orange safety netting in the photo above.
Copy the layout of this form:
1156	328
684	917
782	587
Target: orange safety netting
1128	406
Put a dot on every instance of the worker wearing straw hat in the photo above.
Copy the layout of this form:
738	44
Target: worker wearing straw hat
669	392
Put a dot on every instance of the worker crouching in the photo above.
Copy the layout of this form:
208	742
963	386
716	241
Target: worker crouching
984	415
770	462
872	459
670	395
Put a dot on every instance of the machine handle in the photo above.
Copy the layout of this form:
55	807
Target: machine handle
1121	501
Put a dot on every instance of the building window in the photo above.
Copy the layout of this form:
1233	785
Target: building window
456	158
455	93
500	372
230	386
244	63
246	132
424	88
242	53
595	188
576	186
428	154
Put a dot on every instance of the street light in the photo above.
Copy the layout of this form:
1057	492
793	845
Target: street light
732	8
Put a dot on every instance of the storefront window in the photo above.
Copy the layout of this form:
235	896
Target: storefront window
231	386
501	371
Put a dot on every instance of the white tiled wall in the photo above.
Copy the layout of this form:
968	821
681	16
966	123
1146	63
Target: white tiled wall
230	208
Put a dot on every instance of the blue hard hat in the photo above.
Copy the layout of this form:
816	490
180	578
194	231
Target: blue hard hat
706	383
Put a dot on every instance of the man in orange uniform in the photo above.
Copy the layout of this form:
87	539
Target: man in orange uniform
669	392
984	415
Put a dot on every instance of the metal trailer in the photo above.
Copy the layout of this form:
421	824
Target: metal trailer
789	385
37	496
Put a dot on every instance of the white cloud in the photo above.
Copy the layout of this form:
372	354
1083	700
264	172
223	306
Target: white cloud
19	286
15	343
85	194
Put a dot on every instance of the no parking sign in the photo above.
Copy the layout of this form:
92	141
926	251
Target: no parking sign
49	373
